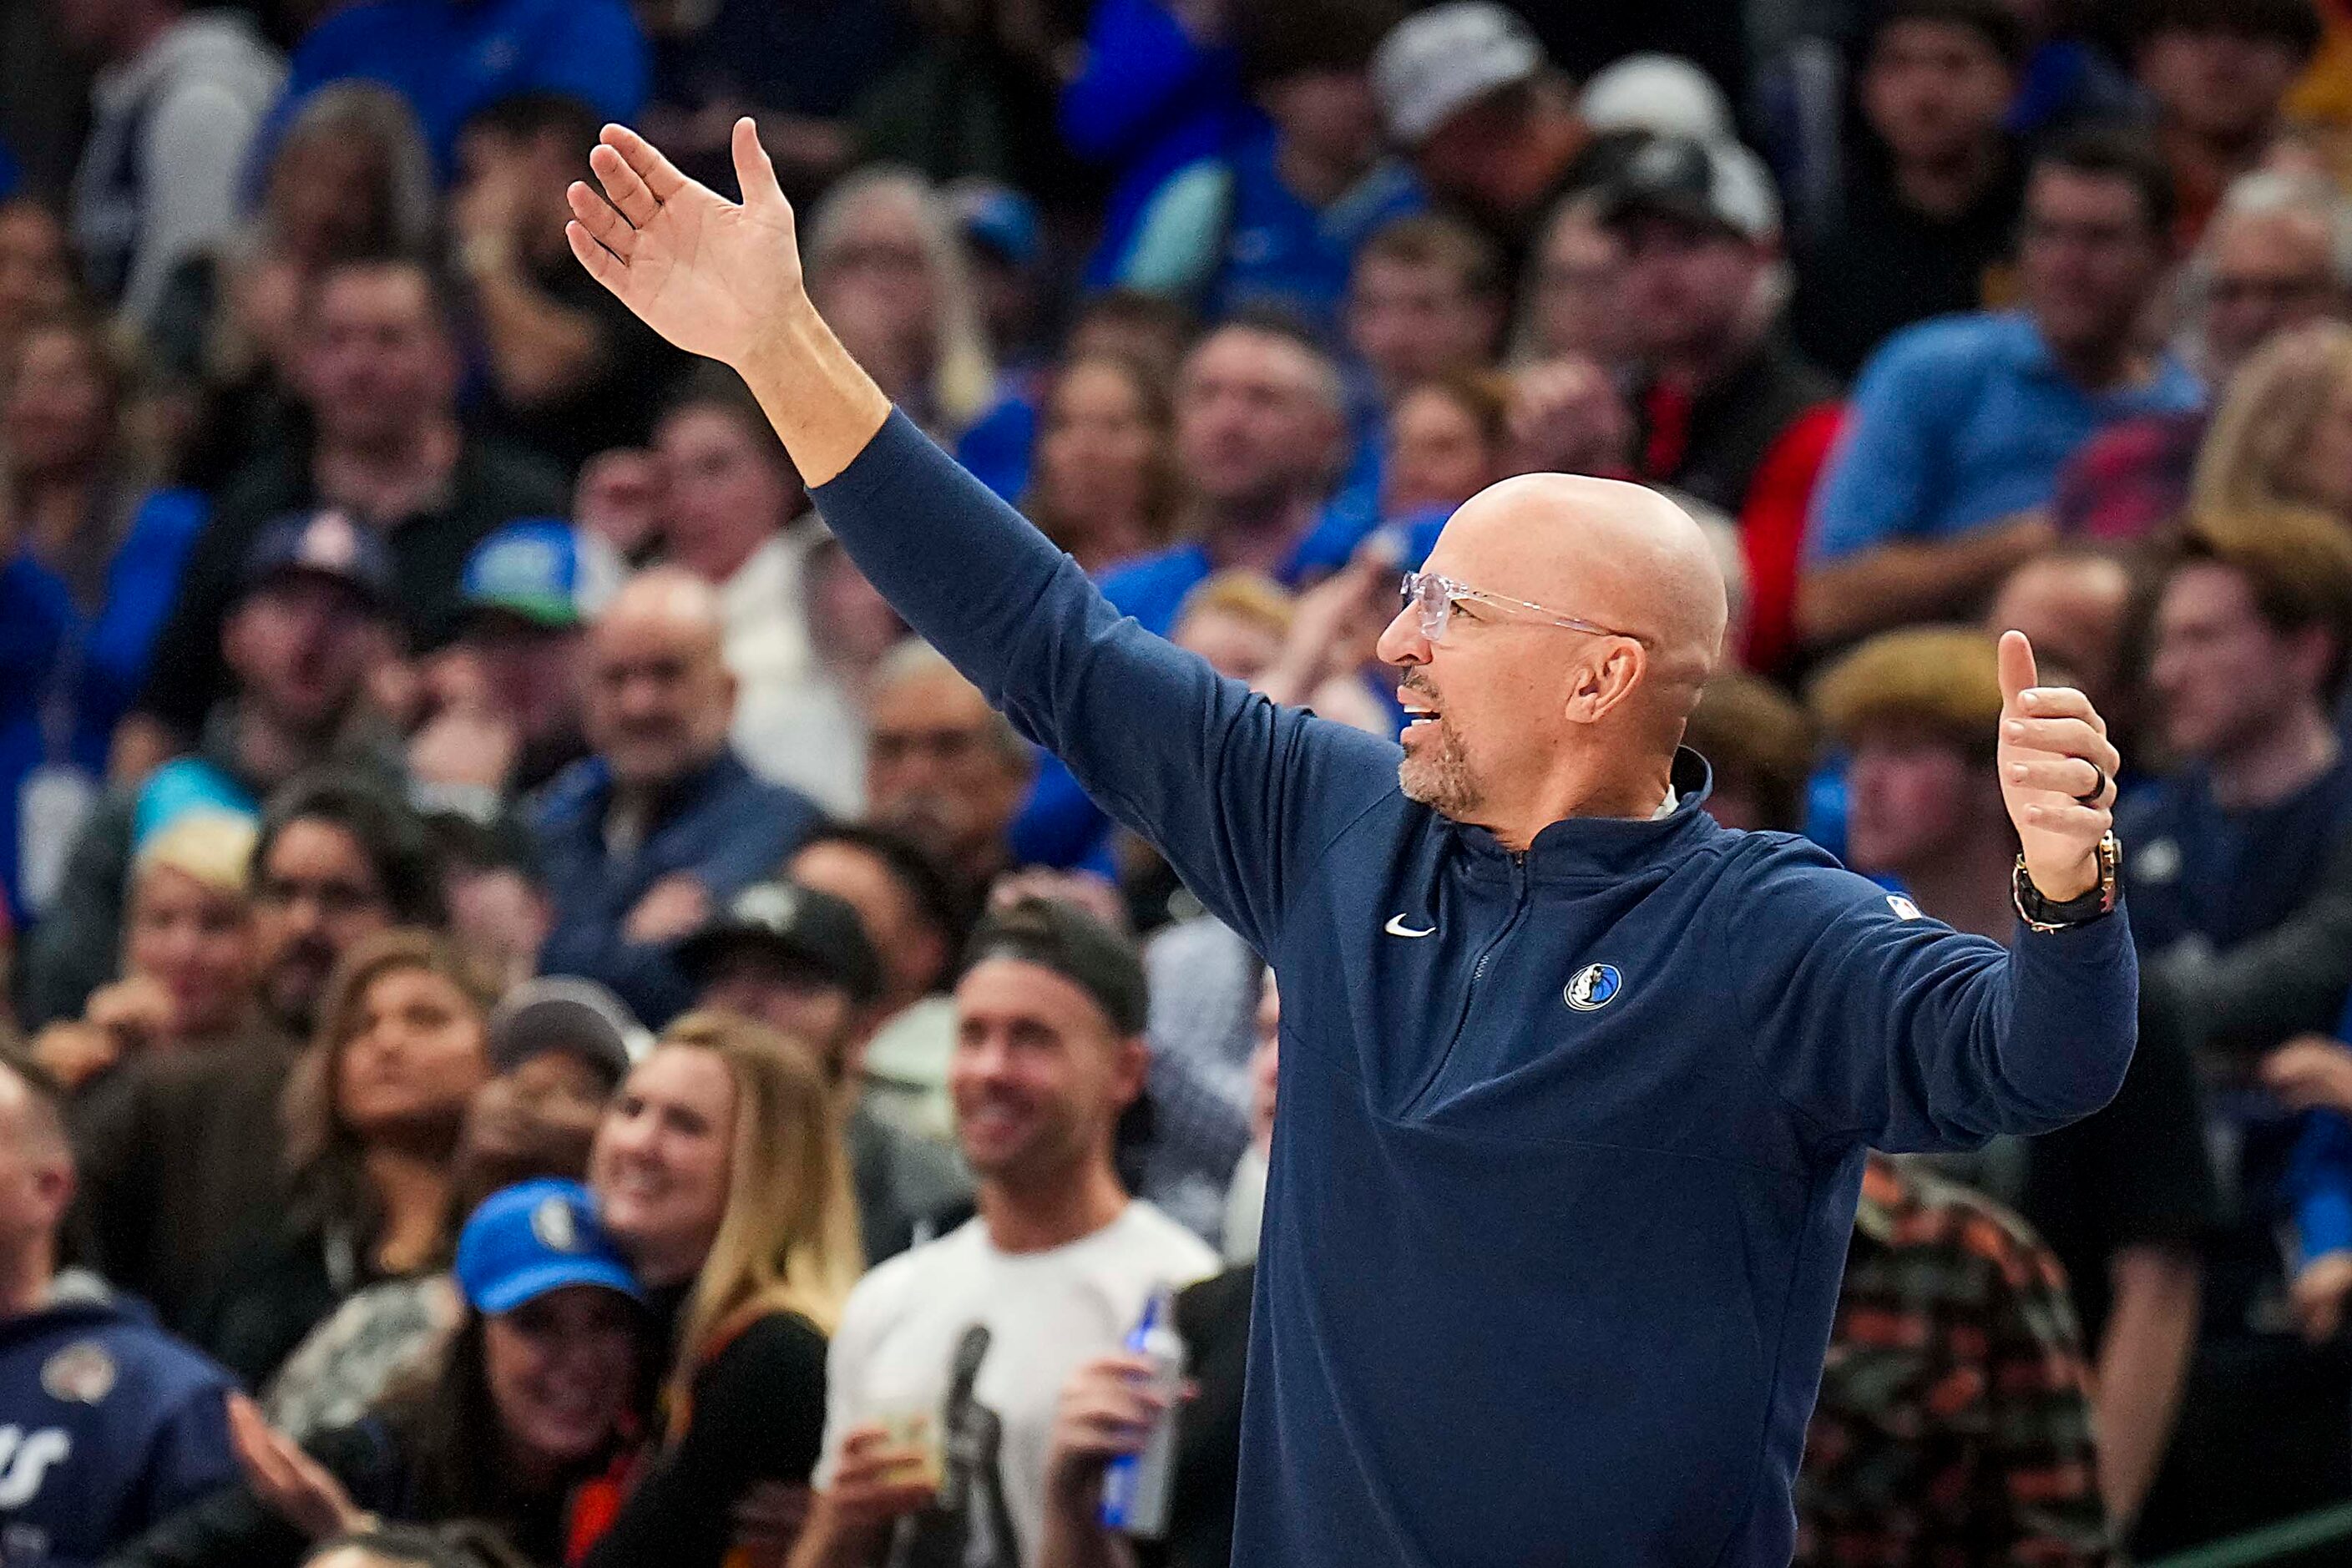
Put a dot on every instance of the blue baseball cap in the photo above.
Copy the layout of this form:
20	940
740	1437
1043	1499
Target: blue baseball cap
328	543
543	570
533	1238
996	217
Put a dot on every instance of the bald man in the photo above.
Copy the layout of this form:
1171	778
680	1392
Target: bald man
108	1425
1576	1085
662	823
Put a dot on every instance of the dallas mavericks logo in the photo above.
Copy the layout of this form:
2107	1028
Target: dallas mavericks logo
1594	987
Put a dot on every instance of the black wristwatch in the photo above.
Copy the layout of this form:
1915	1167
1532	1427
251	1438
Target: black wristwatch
2043	914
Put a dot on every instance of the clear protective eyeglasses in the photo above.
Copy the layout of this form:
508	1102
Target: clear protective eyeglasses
1432	598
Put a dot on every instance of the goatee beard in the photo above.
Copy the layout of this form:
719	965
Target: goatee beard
1438	774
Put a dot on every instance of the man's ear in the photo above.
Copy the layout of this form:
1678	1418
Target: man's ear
1605	678
1131	1071
55	1182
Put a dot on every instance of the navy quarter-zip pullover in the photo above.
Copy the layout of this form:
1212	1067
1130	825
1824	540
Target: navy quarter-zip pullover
1569	1140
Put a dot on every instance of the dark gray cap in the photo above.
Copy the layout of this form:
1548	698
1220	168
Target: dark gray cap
559	1013
1074	945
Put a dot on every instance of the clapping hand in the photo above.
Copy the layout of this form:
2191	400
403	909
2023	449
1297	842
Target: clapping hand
2057	774
287	1480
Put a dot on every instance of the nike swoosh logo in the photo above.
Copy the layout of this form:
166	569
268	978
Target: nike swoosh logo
1396	927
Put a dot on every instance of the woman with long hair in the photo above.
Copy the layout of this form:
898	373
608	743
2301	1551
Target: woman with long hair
373	1114
190	954
883	264
2282	437
533	1399
1105	485
719	1173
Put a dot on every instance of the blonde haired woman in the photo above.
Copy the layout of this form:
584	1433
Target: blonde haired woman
718	1171
884	266
2283	438
190	955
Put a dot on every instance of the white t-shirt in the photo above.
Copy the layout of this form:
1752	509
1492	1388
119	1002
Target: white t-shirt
983	1340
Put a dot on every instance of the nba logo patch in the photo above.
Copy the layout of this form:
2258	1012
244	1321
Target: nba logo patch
1594	987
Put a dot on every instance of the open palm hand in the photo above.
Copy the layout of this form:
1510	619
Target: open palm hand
713	276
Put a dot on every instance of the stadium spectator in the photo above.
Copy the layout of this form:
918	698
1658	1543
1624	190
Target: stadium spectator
350	178
2081	609
729	502
942	766
1448	438
451	58
92	559
379	378
372	1113
916	920
182	1153
797	960
1236	620
2282	437
1276	219
531	1401
37	277
559	1048
1725	411
568	371
2216	72
114	1424
719	1172
2253	629
1117	324
1570	299
1005	247
1202	1026
958	1348
822	731
883	252
663	822
1260	421
1759	747
1157	88
190	955
1959	427
491	883
2276	256
1485	119
1100	1417
1925	223
1954	1415
2124	1197
505	696
1104	484
1424	299
306	618
178	97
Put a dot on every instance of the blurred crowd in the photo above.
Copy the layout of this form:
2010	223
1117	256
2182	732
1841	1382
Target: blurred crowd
546	1028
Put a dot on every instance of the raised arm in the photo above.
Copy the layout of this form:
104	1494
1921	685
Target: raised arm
1234	790
1906	1035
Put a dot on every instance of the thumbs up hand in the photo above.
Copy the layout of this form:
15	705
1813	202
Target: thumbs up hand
2057	774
